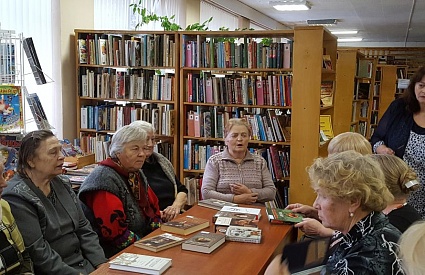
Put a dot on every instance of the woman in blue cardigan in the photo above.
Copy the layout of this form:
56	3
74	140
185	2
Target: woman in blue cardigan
401	131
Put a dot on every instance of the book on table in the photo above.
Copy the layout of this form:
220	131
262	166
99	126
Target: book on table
222	223
185	225
159	242
215	203
283	216
238	213
140	263
205	242
243	234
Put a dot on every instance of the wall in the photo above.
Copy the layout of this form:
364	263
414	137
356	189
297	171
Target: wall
74	14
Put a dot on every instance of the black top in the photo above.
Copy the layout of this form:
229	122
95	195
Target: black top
161	184
403	217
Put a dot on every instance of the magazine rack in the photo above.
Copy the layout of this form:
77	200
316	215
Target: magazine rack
13	92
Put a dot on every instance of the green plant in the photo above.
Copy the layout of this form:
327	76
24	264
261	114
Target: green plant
167	23
266	41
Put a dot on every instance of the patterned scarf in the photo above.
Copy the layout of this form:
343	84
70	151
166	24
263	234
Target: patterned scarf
146	198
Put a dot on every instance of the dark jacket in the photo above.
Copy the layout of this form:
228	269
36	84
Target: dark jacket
55	246
107	179
394	128
370	247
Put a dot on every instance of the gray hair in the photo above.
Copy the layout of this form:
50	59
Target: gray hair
125	135
148	127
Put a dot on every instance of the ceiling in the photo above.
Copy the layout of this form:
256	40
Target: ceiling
399	23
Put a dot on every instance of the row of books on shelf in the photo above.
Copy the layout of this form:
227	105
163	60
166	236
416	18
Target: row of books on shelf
327	93
200	52
209	122
111	117
362	91
153	50
377	89
272	90
374	117
98	144
129	84
375	104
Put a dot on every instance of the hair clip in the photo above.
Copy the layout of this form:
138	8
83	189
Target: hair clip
411	183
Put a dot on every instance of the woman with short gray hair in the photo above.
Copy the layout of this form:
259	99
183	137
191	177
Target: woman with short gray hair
116	196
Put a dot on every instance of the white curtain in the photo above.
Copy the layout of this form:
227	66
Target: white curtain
221	18
33	18
117	14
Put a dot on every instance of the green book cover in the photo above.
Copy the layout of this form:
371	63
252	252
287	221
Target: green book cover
278	215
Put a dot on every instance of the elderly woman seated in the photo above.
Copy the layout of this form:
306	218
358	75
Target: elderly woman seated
351	193
159	171
57	235
116	196
235	174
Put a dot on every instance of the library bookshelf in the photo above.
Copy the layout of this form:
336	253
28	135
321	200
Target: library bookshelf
386	80
124	76
357	89
236	76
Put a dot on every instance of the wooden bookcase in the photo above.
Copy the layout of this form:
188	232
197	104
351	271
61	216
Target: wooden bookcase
387	78
124	76
310	44
346	68
305	73
356	89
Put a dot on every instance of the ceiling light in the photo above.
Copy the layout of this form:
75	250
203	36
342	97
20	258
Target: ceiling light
352	39
290	5
323	22
344	32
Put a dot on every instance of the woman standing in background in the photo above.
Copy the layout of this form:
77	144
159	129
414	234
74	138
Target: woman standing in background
401	131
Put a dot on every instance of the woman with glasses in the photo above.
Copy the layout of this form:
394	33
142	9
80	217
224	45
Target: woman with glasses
401	132
159	171
236	175
57	235
116	196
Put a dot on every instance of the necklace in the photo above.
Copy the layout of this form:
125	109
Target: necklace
393	207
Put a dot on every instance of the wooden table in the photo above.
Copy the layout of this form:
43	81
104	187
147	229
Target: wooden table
230	258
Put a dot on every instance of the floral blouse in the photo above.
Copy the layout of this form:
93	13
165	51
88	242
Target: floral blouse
370	247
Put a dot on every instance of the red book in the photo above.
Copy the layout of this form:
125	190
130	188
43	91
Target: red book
276	162
259	91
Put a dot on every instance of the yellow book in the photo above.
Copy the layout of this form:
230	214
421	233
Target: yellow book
326	125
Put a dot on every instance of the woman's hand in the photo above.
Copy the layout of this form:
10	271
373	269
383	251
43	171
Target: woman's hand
383	149
239	188
313	227
170	213
245	198
276	267
306	210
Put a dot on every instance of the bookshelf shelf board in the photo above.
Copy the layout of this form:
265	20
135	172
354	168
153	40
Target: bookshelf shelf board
203	139
121	68
239	105
327	71
230	70
194	171
170	102
324	108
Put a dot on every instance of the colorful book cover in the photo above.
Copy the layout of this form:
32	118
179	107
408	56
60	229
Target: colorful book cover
11	119
204	242
243	234
159	242
277	215
185	225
